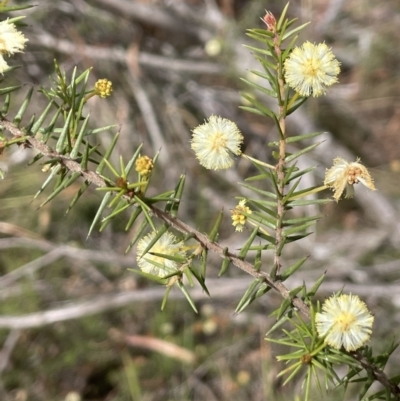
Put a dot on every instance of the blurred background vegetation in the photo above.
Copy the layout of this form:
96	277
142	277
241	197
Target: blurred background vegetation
75	323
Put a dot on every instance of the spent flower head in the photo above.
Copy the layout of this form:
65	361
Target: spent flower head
345	322
343	175
144	165
238	218
311	68
103	88
167	245
11	41
215	141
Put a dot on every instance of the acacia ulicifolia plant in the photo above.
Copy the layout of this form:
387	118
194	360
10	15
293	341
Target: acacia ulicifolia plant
320	338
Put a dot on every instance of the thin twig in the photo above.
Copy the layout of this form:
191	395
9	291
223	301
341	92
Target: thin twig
9	345
119	55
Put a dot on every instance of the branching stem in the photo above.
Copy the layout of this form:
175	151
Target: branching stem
97	180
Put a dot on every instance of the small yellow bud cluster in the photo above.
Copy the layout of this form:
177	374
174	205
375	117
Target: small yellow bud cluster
144	165
238	218
103	88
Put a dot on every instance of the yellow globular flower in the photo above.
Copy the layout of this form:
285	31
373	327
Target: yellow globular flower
238	218
345	322
343	175
11	41
167	245
215	141
103	88
144	165
311	68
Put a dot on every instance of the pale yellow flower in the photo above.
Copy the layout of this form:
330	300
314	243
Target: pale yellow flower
11	41
167	245
311	68
215	141
345	322
343	175
238	218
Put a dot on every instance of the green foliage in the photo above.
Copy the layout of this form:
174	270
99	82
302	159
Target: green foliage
64	138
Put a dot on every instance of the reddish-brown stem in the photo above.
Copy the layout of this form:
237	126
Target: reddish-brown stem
280	167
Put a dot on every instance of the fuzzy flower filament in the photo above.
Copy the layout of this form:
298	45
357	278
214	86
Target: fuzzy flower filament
311	68
215	141
343	175
345	322
11	41
167	245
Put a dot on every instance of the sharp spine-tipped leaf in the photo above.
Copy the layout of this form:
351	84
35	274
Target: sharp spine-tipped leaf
108	153
99	212
64	184
64	133
291	191
282	17
301	152
133	159
297	174
296	105
6	91
199	278
301	220
262	192
257	49
289	48
123	205
267	91
133	218
75	199
308	202
293	31
261	206
305	192
315	287
247	244
293	268
266	237
247	297
137	236
41	119
293	238
215	230
263	110
172	206
79	139
157	236
6	105
260	34
187	295
262	219
297	138
54	172
18	117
